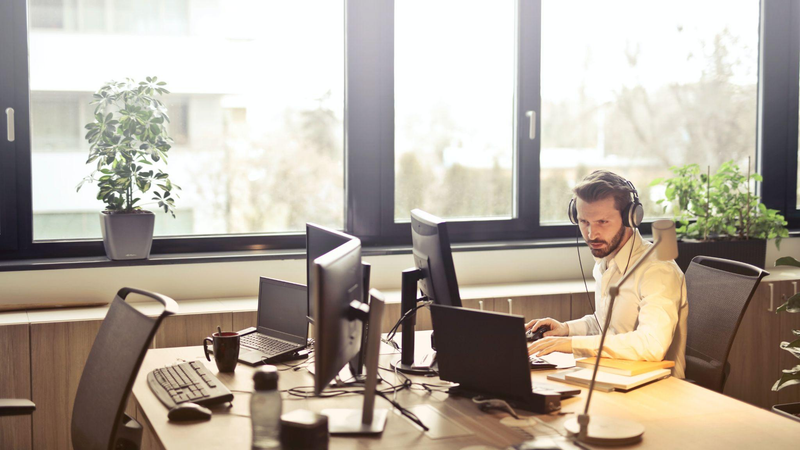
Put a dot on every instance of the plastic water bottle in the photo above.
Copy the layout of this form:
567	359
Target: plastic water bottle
265	409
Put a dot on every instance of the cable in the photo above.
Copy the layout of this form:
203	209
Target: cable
580	262
390	336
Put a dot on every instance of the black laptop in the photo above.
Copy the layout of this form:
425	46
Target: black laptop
282	327
486	353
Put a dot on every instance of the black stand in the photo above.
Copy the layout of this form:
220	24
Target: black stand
408	301
357	363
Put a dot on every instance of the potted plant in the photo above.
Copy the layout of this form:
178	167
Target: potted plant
717	215
127	138
791	376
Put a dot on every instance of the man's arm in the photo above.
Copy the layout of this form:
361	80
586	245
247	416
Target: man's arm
585	326
661	290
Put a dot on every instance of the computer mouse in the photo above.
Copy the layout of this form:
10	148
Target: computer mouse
188	411
533	336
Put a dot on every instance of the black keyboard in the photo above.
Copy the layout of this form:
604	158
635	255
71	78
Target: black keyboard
187	382
266	344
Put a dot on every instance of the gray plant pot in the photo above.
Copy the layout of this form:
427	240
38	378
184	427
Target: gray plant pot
753	251
127	235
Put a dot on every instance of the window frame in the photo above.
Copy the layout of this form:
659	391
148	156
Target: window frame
779	74
369	139
8	149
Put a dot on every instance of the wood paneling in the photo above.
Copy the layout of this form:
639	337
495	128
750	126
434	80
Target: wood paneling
242	320
537	307
58	354
581	306
185	330
754	354
149	439
788	322
15	382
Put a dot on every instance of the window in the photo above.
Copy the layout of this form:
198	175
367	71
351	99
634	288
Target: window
256	112
350	113
638	96
454	108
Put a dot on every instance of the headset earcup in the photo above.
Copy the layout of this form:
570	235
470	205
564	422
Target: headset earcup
572	212
637	214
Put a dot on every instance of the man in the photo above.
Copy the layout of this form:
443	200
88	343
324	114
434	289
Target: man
648	322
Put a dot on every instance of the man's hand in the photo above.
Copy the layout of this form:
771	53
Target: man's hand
556	328
549	345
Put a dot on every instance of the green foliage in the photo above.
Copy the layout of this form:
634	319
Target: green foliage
720	206
791	376
127	134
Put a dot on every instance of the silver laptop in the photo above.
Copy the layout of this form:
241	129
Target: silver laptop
282	327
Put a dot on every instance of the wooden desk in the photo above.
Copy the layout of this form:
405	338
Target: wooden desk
676	414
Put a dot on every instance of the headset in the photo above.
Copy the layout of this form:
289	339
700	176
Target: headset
632	217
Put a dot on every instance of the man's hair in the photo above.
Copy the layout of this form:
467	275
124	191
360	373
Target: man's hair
602	184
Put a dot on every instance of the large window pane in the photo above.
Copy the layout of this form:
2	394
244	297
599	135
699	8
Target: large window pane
454	107
636	87
256	109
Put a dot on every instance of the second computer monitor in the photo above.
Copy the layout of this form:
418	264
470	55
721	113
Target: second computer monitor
432	255
320	240
337	279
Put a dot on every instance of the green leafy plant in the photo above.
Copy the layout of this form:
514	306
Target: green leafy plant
791	376
127	137
719	206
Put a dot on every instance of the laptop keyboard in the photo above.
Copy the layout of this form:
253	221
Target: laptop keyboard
266	344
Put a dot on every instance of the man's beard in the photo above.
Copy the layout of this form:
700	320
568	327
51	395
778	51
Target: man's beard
610	248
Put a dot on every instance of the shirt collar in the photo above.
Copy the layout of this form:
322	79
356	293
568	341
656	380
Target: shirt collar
622	255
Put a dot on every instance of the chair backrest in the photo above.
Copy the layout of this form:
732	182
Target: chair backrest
718	292
111	369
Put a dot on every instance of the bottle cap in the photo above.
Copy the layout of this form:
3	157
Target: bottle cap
266	378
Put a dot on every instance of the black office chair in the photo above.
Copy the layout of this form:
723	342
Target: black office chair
98	417
718	291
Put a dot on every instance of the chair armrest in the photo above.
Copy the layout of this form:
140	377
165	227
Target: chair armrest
16	407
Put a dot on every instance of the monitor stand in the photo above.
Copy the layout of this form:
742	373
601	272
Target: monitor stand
408	301
367	420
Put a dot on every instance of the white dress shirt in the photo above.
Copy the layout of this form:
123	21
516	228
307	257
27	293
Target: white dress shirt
648	322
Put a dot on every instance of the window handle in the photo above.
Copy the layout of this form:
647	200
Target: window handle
510	306
532	116
794	285
10	123
480	304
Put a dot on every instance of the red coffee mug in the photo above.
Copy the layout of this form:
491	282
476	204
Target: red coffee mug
226	350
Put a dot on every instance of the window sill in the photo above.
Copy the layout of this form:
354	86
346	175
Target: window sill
219	257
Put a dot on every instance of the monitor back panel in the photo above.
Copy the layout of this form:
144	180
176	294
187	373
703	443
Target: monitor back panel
482	351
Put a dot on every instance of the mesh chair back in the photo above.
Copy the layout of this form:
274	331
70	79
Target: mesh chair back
111	369
718	292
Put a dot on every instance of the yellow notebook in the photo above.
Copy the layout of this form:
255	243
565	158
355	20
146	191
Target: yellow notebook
625	367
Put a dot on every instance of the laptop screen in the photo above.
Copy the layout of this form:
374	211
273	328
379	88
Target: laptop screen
482	351
282	309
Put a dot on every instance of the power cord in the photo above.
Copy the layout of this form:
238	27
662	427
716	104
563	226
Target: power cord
390	336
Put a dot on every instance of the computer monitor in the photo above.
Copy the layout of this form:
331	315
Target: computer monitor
435	276
319	241
339	313
432	256
337	283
